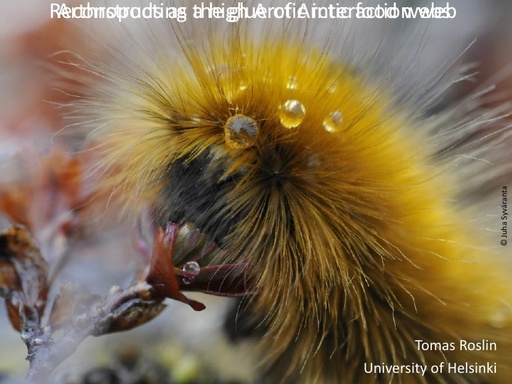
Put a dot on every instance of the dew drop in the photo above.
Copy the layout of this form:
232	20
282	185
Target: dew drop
190	271
292	113
333	121
292	83
240	132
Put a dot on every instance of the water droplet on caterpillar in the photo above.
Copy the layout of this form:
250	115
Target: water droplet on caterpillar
292	83
240	132
333	121
242	86
190	271
292	113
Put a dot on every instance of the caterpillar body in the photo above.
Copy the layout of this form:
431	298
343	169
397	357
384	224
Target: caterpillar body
336	195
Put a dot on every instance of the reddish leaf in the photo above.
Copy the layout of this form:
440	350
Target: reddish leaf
9	281
46	188
161	275
13	304
29	292
13	203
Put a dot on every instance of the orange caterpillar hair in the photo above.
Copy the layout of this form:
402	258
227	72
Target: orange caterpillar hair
306	168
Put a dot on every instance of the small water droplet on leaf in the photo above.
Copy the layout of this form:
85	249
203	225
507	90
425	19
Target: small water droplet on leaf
190	270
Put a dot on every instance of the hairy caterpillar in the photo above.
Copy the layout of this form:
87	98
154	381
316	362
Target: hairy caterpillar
326	180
